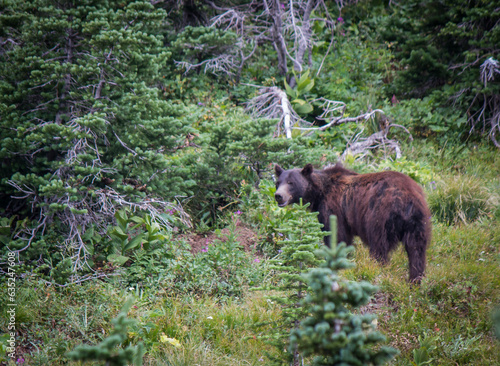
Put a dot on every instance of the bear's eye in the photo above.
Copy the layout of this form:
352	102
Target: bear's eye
290	183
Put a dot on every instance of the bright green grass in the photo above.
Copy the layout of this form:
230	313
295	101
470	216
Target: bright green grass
452	307
209	332
212	334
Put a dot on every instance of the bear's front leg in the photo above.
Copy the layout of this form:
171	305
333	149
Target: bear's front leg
343	234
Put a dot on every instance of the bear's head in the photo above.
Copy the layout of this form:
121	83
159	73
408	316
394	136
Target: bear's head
292	185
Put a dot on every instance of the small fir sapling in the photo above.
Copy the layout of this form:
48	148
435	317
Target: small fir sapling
332	334
110	349
303	237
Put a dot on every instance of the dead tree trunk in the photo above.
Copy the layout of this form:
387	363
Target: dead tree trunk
303	34
275	11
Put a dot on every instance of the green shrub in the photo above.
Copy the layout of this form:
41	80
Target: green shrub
112	349
420	173
302	236
333	333
84	127
222	269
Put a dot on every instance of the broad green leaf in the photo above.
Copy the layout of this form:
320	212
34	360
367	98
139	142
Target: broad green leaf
117	231
299	101
291	93
304	109
137	220
121	218
133	243
117	260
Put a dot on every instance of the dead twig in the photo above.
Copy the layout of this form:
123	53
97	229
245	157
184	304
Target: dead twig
273	103
361	146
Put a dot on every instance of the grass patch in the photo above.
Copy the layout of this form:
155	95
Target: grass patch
461	199
451	310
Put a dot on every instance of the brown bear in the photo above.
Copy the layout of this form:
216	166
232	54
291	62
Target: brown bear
381	208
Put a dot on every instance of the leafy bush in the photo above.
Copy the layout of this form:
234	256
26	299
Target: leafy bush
126	237
427	118
259	207
420	173
221	269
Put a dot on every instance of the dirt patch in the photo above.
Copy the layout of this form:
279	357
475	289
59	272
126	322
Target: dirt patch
380	303
244	235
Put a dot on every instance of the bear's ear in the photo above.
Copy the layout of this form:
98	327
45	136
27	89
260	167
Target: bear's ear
307	170
278	170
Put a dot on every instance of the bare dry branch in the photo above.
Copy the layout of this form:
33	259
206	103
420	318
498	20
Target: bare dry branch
108	200
230	19
273	103
224	64
124	145
76	279
488	69
360	147
97	212
487	114
330	109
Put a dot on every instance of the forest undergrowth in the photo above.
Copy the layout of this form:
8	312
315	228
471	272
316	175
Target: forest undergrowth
201	308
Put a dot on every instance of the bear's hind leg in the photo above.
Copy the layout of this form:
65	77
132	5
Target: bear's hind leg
379	246
415	248
379	253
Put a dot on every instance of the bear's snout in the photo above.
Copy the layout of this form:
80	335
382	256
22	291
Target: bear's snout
282	198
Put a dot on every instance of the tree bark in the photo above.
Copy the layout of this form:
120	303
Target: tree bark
277	35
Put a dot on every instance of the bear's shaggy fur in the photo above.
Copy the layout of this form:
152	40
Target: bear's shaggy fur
381	208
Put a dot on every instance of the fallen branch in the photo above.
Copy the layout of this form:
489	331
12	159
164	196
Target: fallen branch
330	108
221	64
379	140
273	103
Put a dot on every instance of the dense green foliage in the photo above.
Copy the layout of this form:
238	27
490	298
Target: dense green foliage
301	237
84	127
444	48
126	141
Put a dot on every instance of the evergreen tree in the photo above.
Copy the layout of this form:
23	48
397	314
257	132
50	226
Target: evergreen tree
332	332
83	126
232	148
256	148
303	236
449	50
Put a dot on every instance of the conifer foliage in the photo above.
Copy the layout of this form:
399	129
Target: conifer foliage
333	333
84	127
303	236
449	51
